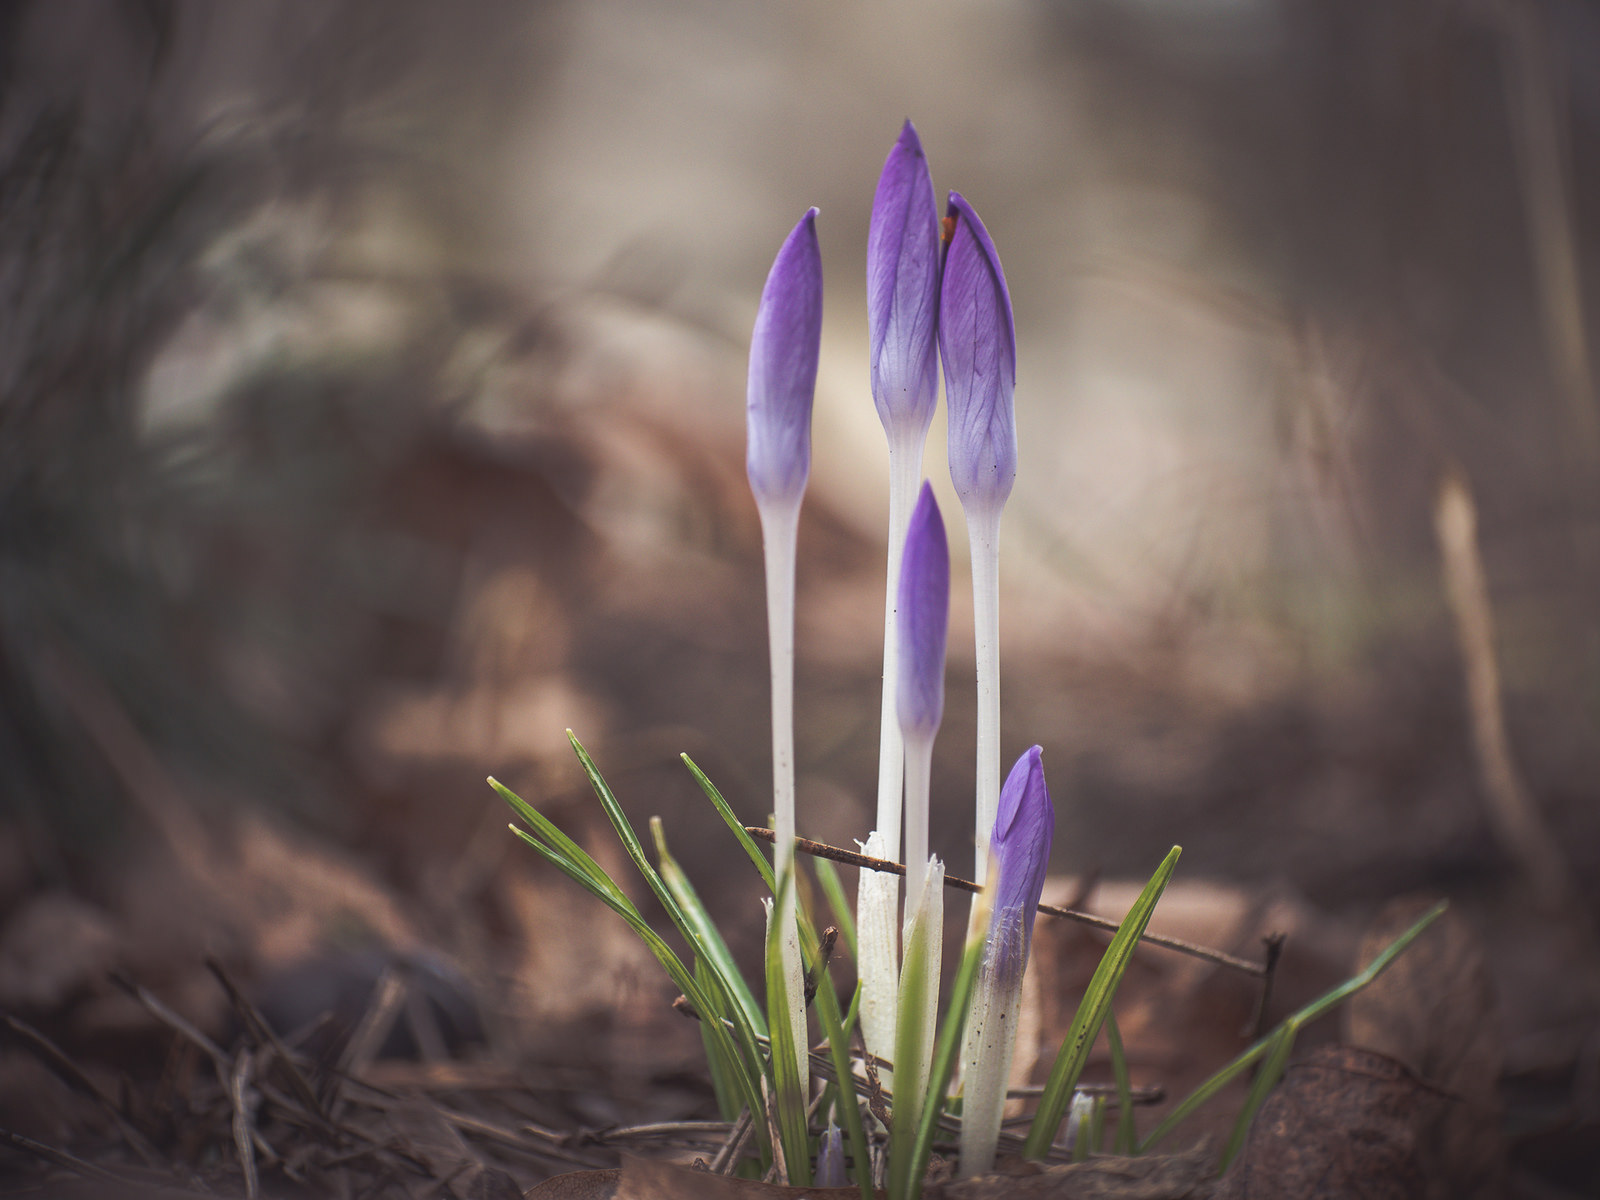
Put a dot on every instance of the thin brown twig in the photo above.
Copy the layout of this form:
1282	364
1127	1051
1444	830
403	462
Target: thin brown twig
59	1157
177	1024
244	1134
73	1075
550	1147
727	1158
1272	944
265	1034
851	858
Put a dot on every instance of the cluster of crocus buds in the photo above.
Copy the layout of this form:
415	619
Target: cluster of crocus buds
922	306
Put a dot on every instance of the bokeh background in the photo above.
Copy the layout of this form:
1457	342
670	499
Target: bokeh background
371	379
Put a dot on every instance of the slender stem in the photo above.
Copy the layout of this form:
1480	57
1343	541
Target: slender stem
877	864
919	767
878	897
779	528
905	472
983	532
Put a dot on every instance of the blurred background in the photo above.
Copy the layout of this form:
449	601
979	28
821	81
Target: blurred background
371	379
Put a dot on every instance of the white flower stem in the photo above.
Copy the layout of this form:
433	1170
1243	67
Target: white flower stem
905	473
983	533
919	1005
878	895
779	528
919	767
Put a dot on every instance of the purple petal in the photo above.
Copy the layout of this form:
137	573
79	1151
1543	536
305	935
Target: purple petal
979	345
783	368
924	602
903	289
1024	827
830	1160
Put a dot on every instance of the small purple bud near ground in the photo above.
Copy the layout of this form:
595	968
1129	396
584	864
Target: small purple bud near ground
1020	847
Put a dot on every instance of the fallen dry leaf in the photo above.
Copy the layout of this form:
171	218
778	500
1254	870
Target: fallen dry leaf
1342	1123
1435	1011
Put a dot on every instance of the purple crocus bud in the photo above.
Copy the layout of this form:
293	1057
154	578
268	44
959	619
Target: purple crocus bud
903	290
979	345
924	620
783	369
830	1160
1023	830
1019	847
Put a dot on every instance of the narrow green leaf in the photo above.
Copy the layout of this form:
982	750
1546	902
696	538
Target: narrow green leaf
750	1092
725	811
915	1024
552	836
1126	1136
790	1100
948	1046
1296	1022
728	981
570	858
853	1015
849	1103
1266	1079
716	949
1092	1010
723	1083
833	889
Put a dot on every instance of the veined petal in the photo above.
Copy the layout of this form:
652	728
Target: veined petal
903	289
978	343
924	598
783	369
1024	827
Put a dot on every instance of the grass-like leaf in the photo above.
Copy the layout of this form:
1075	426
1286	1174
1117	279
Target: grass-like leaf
728	980
948	1047
1092	1012
849	1103
725	811
786	1086
1126	1135
914	1029
682	978
1294	1023
723	1083
1278	1051
833	889
716	949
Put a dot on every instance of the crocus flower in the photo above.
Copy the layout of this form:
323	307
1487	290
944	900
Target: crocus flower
903	290
979	346
924	596
902	314
783	375
1023	830
783	369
